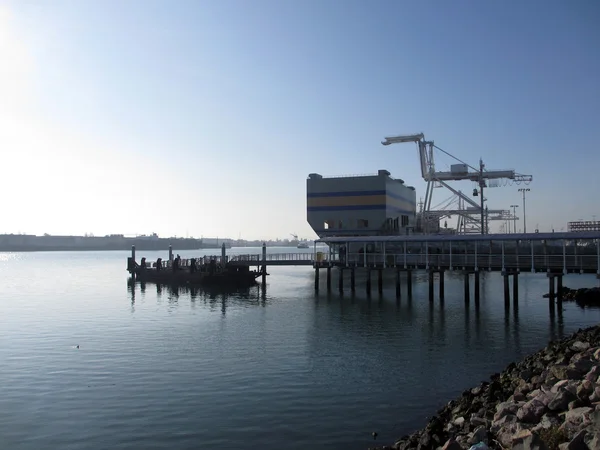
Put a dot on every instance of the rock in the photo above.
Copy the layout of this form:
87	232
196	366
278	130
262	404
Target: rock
547	421
526	440
576	404
532	411
451	444
560	384
578	415
546	397
478	421
561	400
503	422
479	435
582	365
595	396
459	421
577	442
592	440
585	389
563	372
597	354
580	346
504	408
593	373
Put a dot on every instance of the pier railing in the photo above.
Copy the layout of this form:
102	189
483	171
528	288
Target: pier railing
527	262
281	257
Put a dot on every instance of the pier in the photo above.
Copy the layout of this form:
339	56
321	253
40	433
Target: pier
551	254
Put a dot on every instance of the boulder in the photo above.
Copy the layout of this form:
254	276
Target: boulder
532	411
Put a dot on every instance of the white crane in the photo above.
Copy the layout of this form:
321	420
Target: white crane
457	172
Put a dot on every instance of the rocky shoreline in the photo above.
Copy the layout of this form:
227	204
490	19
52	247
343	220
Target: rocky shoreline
550	400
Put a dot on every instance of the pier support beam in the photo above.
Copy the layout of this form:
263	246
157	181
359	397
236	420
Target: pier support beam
559	292
467	288
317	278
515	287
431	285
170	254
264	263
506	289
368	283
328	278
380	280
476	287
352	280
398	291
441	272
341	280
409	283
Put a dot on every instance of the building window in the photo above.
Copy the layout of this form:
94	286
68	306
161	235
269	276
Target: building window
329	224
363	223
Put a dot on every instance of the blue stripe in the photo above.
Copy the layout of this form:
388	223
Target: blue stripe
344	194
360	208
358	194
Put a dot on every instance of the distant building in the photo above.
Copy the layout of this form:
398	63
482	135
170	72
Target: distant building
360	205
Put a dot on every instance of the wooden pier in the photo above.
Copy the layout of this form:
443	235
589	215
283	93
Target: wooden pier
554	254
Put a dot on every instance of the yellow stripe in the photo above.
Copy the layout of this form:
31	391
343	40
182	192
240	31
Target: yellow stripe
366	200
363	200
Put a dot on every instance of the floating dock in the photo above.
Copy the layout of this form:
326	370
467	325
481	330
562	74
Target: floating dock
203	271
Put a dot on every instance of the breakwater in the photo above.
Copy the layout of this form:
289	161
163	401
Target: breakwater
550	400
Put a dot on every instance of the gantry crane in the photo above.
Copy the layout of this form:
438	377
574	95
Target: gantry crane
458	172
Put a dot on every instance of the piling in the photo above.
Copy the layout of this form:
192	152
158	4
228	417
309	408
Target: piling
551	288
467	288
368	281
264	265
506	289
328	278
380	280
170	254
341	280
515	287
431	285
317	278
352	279
441	272
477	287
223	255
398	291
409	283
559	291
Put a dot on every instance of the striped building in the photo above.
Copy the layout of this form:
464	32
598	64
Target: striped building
359	206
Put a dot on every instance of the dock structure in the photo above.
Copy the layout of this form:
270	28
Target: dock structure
555	254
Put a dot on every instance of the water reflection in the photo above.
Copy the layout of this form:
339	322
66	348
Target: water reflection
213	297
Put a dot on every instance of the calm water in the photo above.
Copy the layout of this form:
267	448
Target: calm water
277	369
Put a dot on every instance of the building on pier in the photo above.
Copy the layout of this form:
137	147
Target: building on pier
366	205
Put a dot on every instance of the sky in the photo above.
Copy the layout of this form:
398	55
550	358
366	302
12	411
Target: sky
198	118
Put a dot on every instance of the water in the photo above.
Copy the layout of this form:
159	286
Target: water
277	369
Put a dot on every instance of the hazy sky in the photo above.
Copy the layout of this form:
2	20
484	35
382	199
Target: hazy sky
205	118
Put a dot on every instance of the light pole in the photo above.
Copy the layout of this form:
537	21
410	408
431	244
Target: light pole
514	207
524	190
